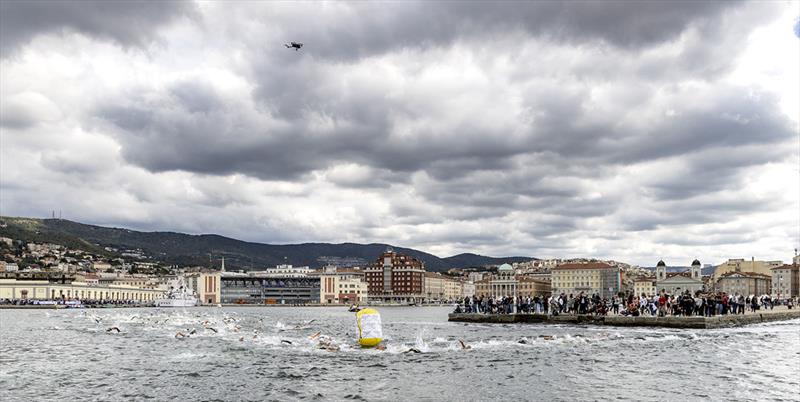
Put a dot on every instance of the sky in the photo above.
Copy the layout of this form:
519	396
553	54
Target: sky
634	131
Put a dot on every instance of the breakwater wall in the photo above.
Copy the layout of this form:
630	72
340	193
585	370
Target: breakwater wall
722	321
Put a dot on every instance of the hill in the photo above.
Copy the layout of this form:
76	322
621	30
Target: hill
185	249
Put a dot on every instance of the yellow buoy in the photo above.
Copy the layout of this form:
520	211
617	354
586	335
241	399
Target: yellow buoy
369	327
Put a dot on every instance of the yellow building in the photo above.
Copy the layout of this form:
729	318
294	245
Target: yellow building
587	278
206	285
453	288
45	290
342	286
644	285
742	265
440	287
529	286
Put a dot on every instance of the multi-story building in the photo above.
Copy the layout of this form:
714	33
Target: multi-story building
786	281
532	286
440	287
43	289
644	285
505	283
679	282
587	278
744	283
453	288
342	286
434	286
395	277
260	289
742	265
207	285
468	289
8	266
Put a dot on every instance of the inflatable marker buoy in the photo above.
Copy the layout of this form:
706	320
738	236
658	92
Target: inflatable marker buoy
369	327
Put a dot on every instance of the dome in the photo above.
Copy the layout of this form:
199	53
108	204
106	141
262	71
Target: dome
661	263
695	263
505	267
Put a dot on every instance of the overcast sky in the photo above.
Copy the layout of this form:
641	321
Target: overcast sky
627	130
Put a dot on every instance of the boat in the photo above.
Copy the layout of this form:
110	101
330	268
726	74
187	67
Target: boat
178	295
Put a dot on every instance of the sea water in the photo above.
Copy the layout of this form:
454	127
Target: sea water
272	353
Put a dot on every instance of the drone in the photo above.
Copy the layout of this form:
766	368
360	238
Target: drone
293	45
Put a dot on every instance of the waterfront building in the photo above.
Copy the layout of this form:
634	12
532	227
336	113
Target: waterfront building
440	287
342	286
505	283
44	289
744	283
207	286
786	281
679	282
532	286
256	288
468	289
395	277
645	285
434	286
587	278
742	265
453	288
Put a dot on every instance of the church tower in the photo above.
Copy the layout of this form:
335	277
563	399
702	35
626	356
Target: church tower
696	270
661	271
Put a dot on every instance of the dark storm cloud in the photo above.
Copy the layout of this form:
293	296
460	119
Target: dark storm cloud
371	28
129	23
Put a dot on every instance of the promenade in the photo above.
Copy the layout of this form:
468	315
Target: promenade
719	321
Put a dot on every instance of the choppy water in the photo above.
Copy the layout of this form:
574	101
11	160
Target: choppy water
68	355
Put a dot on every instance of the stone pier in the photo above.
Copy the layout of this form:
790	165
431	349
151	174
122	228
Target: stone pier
722	321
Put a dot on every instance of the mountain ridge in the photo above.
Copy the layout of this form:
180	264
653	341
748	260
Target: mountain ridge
203	249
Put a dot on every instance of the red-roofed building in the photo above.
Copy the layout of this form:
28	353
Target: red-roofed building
395	277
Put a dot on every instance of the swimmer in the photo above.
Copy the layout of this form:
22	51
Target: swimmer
464	346
413	350
180	335
315	336
211	329
286	341
193	331
326	343
241	339
113	329
547	337
380	346
522	341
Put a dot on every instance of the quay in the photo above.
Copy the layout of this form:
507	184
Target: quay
696	322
